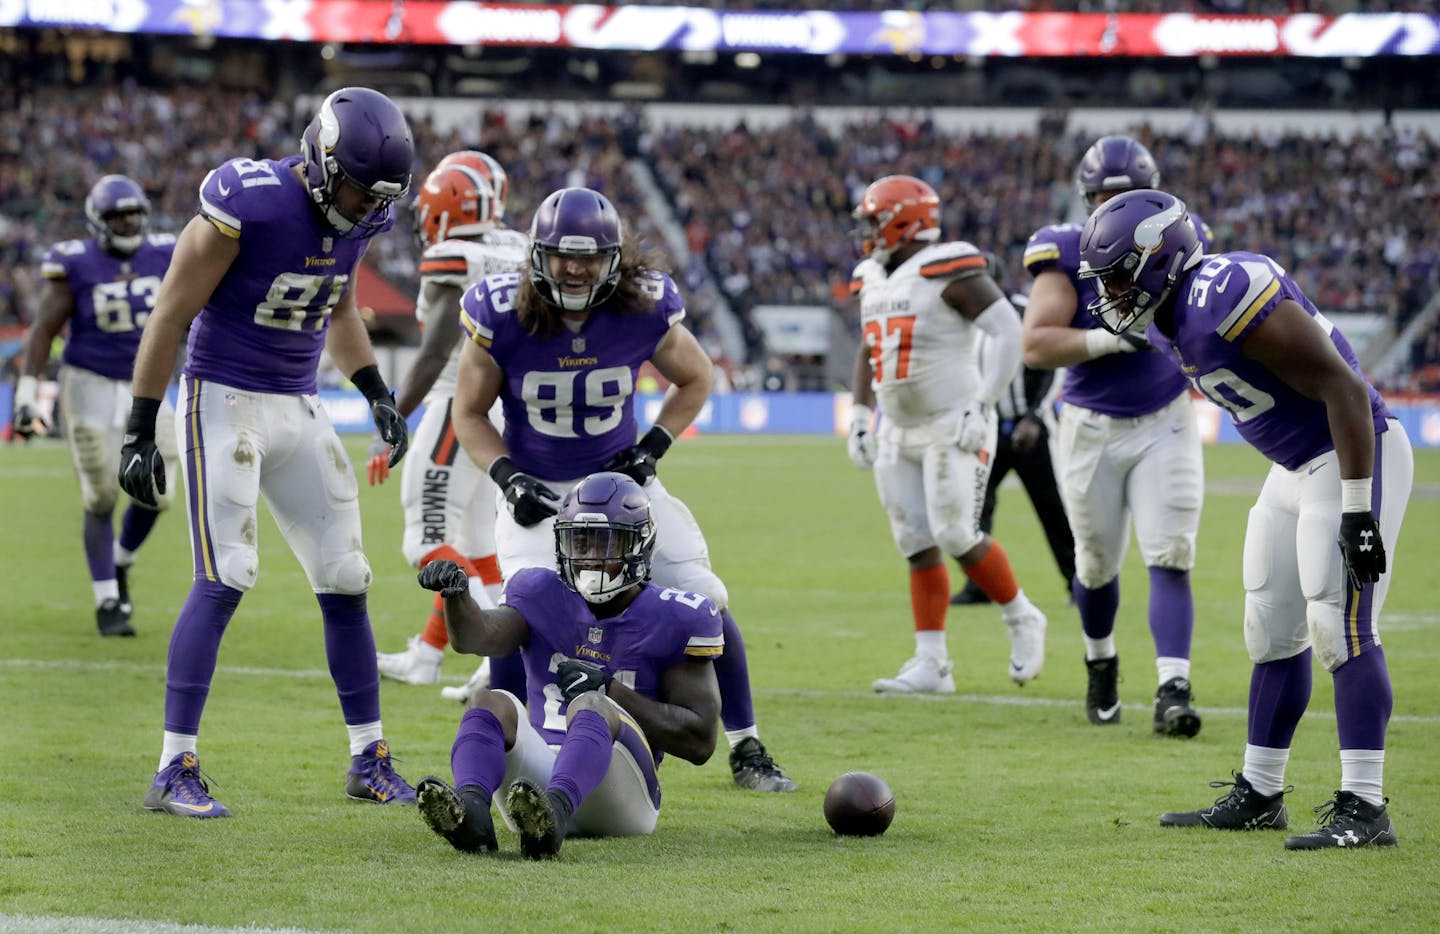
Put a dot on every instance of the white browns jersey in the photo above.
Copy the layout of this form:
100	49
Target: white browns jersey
462	263
923	360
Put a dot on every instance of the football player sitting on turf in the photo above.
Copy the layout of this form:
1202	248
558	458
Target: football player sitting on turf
618	673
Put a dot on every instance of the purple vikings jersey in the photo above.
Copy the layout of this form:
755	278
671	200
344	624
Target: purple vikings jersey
660	628
113	298
1121	385
1216	308
569	400
264	326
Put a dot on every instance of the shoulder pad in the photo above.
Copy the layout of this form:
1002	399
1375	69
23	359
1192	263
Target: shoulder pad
1252	279
55	264
236	192
1048	245
954	260
486	303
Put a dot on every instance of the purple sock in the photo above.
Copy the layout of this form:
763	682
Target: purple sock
737	711
1172	612
1097	607
194	646
584	757
507	673
1363	700
350	650
100	546
135	526
478	756
1279	694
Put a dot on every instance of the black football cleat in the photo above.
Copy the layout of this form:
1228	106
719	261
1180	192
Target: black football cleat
969	595
541	817
1102	694
1173	714
112	619
1347	822
1242	808
461	817
752	768
122	580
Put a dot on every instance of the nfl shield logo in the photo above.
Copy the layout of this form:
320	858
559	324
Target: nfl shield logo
327	245
596	634
578	345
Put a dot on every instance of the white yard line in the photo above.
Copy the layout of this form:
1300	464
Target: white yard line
999	700
25	924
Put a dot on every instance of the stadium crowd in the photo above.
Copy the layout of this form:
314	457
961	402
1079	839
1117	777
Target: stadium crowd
765	211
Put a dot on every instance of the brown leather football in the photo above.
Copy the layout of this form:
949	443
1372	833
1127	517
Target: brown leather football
859	804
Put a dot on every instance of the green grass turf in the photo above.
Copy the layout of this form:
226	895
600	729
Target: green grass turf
1014	812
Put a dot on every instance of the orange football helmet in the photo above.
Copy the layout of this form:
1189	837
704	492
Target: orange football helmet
489	169
894	211
454	202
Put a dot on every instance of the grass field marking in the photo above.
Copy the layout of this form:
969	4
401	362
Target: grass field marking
1001	700
26	924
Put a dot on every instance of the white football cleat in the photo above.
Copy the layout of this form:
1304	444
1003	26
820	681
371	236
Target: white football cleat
479	680
1027	643
923	674
418	664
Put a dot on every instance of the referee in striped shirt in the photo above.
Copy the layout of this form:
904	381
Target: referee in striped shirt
1027	421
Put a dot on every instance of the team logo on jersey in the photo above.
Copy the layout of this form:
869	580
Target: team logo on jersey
596	634
577	345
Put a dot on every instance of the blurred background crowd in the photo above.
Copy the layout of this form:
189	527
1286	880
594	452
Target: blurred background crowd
747	215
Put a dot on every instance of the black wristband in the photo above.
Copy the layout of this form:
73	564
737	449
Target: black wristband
656	442
371	384
502	469
143	412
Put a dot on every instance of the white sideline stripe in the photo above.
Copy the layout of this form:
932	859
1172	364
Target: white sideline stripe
26	924
999	700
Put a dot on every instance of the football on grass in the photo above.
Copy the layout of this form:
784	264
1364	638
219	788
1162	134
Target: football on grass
859	804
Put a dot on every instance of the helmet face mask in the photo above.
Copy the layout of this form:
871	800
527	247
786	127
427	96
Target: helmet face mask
117	213
358	154
604	537
894	211
1115	164
1136	246
575	223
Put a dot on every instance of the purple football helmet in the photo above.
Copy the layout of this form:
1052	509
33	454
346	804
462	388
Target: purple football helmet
604	537
1136	245
117	212
1115	163
358	136
575	222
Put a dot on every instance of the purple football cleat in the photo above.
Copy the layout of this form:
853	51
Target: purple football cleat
372	777
180	789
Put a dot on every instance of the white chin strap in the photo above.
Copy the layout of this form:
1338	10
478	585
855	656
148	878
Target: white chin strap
597	586
571	301
339	221
126	244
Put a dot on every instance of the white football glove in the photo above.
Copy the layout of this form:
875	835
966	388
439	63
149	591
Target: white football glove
861	443
974	427
1100	342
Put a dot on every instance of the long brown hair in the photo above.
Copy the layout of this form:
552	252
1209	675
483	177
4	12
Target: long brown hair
637	262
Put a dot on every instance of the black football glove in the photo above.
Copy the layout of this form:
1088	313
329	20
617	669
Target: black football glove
524	495
638	460
576	677
1136	340
388	420
444	577
28	423
1361	548
142	469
